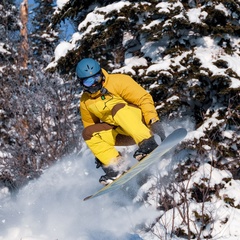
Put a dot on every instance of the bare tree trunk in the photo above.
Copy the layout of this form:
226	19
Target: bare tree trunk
23	54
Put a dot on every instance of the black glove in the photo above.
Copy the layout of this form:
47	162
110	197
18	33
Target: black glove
157	128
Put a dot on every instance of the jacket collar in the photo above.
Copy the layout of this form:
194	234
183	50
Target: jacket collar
106	75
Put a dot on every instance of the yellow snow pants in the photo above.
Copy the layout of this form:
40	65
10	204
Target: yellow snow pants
101	137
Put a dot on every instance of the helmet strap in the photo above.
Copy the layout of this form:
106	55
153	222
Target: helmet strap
104	91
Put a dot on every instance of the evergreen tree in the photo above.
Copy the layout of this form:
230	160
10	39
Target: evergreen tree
164	30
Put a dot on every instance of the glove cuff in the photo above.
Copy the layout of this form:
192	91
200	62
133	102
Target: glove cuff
153	120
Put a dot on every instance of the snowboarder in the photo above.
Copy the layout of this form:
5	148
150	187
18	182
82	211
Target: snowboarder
113	106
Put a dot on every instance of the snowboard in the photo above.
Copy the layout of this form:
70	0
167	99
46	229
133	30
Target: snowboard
167	144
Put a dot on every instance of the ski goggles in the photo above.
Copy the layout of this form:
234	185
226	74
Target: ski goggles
90	81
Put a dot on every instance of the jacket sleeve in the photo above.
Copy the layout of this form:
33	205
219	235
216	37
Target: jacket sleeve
133	93
87	117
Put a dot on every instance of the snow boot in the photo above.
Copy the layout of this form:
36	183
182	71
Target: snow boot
110	176
113	171
145	147
98	163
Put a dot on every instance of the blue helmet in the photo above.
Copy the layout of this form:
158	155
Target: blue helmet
87	67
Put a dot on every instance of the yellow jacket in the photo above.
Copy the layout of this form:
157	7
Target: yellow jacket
122	88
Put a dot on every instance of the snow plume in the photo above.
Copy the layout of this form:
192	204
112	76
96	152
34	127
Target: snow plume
52	207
